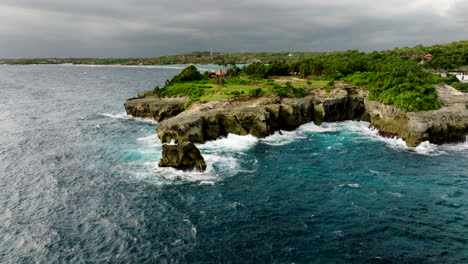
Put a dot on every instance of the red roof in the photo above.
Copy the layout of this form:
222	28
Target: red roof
427	55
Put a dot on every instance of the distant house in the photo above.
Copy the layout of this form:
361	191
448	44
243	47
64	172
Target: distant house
461	73
426	57
290	55
216	74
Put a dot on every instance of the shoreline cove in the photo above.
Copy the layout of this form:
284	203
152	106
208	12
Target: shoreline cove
266	117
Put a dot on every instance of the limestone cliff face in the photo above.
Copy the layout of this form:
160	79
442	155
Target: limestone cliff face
259	117
156	108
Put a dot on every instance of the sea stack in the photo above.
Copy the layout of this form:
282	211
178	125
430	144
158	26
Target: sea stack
183	156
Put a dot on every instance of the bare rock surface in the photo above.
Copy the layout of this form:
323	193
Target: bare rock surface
156	108
184	156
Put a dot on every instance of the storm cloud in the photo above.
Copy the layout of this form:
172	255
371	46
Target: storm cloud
143	28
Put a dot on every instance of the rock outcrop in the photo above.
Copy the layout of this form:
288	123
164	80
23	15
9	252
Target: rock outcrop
156	108
447	124
183	156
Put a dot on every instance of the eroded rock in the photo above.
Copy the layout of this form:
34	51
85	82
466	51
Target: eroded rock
157	108
183	156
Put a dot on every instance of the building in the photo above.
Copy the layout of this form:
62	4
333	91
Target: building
426	57
461	73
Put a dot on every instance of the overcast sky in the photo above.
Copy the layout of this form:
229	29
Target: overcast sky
143	28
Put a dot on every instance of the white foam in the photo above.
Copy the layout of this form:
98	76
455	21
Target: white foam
163	176
311	127
456	147
226	167
150	141
129	117
351	185
219	165
362	128
231	143
282	138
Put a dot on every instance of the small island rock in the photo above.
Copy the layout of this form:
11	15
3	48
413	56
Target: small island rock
183	156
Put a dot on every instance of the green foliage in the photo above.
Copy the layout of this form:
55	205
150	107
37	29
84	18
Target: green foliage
460	86
288	90
410	91
277	69
255	69
255	92
393	77
188	103
192	90
157	91
233	71
189	74
238	81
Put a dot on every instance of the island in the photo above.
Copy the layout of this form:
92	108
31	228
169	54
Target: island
394	93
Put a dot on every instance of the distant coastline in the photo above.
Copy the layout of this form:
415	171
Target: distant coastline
196	58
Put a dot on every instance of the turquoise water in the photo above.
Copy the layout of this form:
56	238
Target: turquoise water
79	183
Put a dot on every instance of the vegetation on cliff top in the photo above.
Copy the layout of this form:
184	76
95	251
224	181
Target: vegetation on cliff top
199	87
391	78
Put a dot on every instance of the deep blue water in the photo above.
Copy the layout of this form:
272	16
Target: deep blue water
79	183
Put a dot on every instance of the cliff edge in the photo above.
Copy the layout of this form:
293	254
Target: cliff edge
263	116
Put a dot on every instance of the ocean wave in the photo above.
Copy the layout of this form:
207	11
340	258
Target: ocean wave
312	127
456	146
150	141
231	143
363	129
396	143
124	116
282	138
219	156
218	168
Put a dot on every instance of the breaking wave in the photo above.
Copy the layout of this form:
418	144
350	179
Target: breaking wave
124	116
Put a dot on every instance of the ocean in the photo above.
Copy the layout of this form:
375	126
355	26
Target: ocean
79	183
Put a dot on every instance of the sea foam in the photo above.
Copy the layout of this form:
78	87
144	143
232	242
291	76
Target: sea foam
129	117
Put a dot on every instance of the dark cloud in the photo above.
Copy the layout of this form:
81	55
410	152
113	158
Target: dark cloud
125	28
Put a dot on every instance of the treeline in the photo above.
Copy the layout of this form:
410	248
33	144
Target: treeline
196	57
394	77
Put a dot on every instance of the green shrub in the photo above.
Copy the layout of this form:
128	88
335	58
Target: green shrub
188	103
189	74
157	91
288	90
240	81
410	91
255	92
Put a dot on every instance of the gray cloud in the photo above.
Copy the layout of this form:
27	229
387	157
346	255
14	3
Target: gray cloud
124	28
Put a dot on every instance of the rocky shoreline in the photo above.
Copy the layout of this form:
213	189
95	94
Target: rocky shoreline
263	116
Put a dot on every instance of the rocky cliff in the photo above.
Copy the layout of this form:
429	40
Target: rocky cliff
156	108
447	124
263	116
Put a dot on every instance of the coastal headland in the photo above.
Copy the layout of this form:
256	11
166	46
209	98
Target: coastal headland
411	93
262	116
